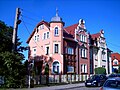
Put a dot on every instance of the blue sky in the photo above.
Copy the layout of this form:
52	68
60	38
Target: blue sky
98	14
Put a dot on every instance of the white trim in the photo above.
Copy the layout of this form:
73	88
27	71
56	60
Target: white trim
58	30
59	47
59	65
46	50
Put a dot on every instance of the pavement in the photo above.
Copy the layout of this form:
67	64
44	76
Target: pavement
60	87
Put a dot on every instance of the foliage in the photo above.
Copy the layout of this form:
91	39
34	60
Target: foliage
11	66
119	69
100	70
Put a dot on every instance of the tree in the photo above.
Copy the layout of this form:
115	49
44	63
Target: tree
11	66
119	69
100	70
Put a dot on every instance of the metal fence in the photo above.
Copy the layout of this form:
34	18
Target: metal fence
60	78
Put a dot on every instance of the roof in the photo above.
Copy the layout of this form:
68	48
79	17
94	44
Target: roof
115	56
71	29
42	22
97	35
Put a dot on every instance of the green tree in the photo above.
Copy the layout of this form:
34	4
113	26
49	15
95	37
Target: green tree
11	66
119	69
100	70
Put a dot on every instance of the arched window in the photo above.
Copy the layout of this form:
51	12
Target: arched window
56	31
56	67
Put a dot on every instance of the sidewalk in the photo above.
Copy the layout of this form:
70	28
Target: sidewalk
60	87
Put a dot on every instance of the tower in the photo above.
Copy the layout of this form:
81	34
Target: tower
56	43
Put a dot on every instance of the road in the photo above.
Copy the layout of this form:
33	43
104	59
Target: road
85	88
78	86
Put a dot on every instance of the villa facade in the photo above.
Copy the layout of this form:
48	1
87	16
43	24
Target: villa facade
67	50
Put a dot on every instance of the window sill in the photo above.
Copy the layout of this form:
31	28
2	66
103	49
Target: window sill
84	57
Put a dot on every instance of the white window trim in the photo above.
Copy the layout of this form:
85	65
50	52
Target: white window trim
84	68
59	48
115	61
46	49
59	66
34	52
44	38
58	30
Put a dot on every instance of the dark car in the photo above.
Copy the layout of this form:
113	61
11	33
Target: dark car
111	84
96	80
113	75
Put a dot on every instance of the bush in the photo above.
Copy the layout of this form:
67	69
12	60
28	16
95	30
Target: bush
100	70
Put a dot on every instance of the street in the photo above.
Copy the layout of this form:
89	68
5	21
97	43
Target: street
78	86
85	88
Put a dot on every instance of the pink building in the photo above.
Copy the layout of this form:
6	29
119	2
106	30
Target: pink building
65	50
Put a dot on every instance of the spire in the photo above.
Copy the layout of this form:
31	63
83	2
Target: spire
56	18
56	12
42	18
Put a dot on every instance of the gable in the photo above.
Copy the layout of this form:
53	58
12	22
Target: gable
36	29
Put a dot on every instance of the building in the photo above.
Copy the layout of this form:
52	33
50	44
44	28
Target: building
80	35
99	53
115	61
67	50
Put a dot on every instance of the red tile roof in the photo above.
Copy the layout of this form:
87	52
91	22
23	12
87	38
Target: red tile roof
97	35
42	22
71	29
115	56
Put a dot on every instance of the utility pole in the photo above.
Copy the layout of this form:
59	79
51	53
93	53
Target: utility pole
17	21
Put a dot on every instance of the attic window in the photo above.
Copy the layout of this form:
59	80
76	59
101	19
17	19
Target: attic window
41	27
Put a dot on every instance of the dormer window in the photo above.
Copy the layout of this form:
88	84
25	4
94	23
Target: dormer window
56	31
41	27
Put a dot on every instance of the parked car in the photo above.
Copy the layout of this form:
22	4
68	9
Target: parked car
111	84
113	75
95	80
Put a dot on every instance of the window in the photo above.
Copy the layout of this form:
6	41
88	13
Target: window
47	34
37	37
56	31
103	55
56	67
83	68
115	62
95	66
56	48
47	50
70	50
96	57
44	36
103	66
83	53
83	38
34	52
41	27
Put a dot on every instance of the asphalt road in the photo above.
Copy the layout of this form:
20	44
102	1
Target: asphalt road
85	88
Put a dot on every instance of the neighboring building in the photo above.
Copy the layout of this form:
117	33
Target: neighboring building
98	52
79	32
69	50
115	61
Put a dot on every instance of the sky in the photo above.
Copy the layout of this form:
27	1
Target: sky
98	14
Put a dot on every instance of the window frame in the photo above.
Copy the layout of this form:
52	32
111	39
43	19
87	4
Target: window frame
56	31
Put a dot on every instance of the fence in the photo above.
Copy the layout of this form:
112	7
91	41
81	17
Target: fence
60	78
